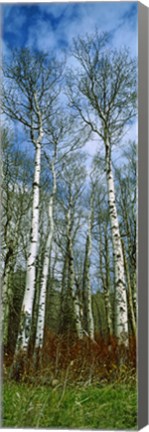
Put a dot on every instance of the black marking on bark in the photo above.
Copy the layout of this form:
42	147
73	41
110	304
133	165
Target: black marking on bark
120	281
32	264
122	309
35	184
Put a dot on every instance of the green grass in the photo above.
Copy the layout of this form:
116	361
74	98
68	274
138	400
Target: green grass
107	407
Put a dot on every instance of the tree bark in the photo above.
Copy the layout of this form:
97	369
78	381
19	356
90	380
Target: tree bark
87	295
106	283
45	271
11	235
7	296
121	319
27	305
129	293
134	296
71	280
64	299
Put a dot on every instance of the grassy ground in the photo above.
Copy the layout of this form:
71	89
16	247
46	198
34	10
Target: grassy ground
100	407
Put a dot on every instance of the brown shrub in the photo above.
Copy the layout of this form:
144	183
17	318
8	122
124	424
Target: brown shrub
82	361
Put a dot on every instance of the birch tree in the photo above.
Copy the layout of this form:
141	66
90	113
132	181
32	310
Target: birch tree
45	270
58	135
103	247
105	277
126	189
131	313
87	295
103	93
29	93
72	185
43	237
71	277
16	203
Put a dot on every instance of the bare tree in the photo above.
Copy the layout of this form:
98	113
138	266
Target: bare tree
103	250
30	91
16	205
87	294
126	191
72	186
102	92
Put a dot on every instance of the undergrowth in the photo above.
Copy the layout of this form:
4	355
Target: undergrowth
75	384
76	361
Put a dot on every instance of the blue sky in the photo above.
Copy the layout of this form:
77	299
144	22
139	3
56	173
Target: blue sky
52	26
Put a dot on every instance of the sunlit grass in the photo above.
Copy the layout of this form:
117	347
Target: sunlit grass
97	407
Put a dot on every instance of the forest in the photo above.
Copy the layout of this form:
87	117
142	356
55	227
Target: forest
69	241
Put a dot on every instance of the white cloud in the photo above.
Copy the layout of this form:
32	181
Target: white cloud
79	19
41	36
56	9
5	49
13	19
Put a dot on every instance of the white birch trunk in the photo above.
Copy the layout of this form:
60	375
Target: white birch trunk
44	278
76	303
121	318
27	305
88	318
106	282
78	324
134	296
